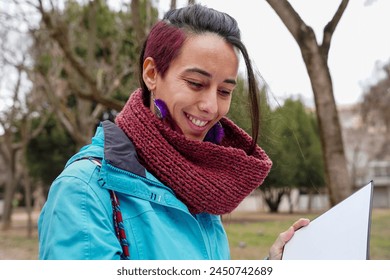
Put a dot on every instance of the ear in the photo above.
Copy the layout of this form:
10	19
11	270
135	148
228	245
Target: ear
149	73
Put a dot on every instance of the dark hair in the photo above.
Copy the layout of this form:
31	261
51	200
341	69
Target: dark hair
167	37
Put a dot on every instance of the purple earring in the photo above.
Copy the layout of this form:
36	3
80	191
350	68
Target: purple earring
160	108
215	134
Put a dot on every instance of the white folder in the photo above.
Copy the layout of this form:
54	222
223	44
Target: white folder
341	233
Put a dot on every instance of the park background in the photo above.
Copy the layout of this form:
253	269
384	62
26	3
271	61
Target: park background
66	65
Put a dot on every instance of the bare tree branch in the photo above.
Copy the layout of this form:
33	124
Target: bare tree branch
173	4
290	18
331	27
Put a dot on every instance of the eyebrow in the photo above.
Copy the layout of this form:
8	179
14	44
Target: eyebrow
208	75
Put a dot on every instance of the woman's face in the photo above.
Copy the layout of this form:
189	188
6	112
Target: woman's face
198	86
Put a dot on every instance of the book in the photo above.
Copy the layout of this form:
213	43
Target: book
341	233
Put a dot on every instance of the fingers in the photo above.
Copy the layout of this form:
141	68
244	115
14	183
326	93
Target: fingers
302	222
287	235
276	249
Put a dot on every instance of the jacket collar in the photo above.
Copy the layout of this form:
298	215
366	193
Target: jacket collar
117	154
119	151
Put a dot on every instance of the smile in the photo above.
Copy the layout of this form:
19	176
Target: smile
197	122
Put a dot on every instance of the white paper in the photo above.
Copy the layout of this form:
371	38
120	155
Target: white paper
341	233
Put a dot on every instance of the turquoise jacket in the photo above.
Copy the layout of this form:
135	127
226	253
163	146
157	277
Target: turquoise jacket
76	221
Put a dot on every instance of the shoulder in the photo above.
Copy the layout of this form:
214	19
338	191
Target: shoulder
82	169
77	186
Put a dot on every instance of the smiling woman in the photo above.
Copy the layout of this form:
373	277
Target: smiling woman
198	85
159	178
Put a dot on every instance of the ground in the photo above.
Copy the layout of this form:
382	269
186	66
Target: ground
244	230
15	243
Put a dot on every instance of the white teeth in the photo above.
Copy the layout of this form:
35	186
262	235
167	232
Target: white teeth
196	121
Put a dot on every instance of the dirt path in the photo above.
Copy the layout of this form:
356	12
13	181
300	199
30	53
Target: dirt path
15	243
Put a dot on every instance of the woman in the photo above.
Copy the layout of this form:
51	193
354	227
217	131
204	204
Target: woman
172	163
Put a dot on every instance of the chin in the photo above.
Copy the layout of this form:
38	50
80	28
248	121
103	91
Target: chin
194	138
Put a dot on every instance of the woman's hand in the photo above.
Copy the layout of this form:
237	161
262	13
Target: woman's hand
276	250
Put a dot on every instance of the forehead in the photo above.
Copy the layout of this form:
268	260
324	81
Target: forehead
210	52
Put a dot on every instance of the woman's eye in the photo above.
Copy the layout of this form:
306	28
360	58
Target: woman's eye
194	84
225	92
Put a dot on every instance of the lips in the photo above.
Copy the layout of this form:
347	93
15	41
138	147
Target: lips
196	121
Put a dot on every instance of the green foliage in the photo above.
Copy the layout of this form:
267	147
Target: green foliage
294	147
43	63
48	153
240	110
114	42
290	137
239	107
289	134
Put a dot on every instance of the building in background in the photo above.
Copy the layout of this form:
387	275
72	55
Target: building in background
368	154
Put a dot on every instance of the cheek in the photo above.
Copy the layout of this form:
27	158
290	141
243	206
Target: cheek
224	108
177	103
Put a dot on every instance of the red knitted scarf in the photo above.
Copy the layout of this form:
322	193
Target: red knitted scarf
205	176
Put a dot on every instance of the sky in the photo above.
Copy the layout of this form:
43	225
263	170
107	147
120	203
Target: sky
359	44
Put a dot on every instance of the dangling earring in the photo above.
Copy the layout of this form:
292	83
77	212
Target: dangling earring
215	134
160	108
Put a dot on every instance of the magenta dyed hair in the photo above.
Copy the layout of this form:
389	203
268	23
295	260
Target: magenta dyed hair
163	45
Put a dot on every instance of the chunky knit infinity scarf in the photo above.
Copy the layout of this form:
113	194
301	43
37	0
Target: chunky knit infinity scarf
207	177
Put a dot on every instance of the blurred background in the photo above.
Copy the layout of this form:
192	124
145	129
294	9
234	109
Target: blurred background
323	73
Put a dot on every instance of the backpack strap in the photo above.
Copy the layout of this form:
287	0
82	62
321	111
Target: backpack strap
119	226
117	216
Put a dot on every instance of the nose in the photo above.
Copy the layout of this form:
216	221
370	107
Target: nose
208	102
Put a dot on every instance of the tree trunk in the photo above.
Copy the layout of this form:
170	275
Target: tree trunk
28	201
273	197
173	5
336	170
25	130
10	189
316	60
309	200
